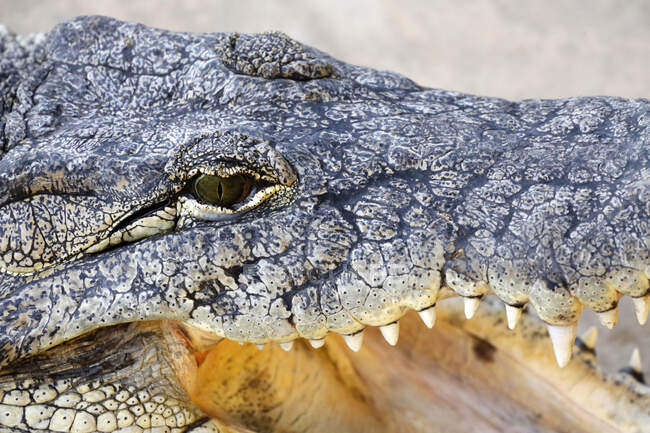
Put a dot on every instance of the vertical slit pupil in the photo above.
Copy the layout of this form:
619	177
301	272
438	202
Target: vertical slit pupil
222	191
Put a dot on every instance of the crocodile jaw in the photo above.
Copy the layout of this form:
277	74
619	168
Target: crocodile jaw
461	376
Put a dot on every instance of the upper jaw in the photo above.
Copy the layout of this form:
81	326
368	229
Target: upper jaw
325	263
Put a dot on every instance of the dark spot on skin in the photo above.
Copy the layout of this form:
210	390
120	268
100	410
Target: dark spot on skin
638	376
234	272
582	346
483	349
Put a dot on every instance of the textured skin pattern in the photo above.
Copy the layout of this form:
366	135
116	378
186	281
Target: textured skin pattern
123	384
394	179
387	190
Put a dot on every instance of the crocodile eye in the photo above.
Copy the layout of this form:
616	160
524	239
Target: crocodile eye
222	191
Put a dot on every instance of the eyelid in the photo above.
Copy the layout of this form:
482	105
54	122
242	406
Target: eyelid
214	152
208	212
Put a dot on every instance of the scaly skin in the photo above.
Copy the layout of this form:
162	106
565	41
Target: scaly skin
383	195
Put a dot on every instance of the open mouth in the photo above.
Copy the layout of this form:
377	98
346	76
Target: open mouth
462	375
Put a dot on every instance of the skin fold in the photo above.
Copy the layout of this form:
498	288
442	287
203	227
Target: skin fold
128	301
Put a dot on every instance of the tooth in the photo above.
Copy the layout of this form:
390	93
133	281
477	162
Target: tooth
390	332
590	337
635	368
513	314
562	338
316	343
641	307
609	318
428	316
260	346
287	345
471	305
354	341
635	361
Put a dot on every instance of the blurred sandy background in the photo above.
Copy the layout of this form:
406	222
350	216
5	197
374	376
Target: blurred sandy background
511	49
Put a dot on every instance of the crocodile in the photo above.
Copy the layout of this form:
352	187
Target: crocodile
231	232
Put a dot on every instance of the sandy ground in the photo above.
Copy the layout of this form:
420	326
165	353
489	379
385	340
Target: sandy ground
510	49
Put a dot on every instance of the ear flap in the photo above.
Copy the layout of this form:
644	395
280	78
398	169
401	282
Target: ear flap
273	55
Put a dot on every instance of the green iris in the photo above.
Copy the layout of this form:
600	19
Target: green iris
222	191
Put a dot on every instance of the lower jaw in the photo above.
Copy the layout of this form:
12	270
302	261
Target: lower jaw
463	375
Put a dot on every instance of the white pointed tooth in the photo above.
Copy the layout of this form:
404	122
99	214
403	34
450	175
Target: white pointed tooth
428	316
390	332
471	305
562	338
287	345
635	361
317	342
354	341
609	318
260	346
590	337
513	314
641	307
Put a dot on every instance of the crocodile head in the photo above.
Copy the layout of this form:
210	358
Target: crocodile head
165	196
